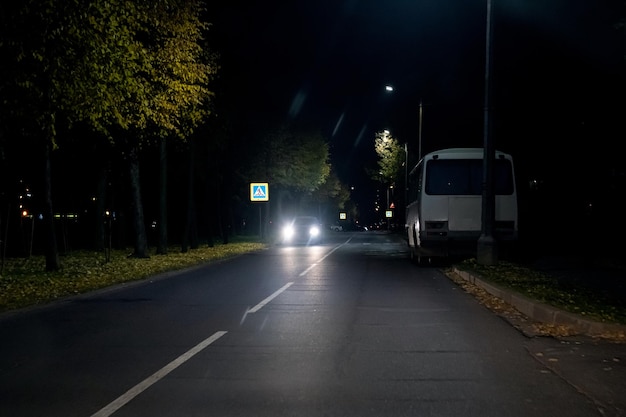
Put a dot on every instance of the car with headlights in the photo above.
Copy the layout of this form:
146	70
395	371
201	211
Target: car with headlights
303	230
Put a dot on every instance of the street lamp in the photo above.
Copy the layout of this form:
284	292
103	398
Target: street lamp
389	88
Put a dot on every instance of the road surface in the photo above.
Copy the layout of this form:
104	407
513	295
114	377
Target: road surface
346	328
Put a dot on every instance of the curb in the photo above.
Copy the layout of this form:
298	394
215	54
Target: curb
544	313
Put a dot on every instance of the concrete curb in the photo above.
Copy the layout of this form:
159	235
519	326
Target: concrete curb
544	313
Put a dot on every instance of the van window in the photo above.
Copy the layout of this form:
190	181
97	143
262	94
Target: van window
464	177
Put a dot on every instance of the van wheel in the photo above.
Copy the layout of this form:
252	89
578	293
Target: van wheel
424	260
418	259
412	255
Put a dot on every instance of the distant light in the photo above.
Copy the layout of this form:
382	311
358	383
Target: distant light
388	88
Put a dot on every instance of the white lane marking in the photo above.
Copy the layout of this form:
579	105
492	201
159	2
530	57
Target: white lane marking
160	374
289	284
270	298
306	271
146	383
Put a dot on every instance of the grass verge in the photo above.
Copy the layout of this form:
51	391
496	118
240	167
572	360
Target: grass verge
569	295
24	282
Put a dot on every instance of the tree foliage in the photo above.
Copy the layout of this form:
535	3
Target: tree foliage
115	65
333	192
293	159
141	65
130	70
391	158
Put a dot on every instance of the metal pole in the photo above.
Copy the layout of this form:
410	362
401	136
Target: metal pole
388	208
260	222
419	134
406	179
487	245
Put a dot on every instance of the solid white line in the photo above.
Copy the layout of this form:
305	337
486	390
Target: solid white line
146	383
270	298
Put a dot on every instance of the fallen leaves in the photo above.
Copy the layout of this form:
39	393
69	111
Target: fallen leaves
519	320
566	295
25	282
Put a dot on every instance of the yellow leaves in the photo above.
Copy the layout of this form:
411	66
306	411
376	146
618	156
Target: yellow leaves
24	281
565	294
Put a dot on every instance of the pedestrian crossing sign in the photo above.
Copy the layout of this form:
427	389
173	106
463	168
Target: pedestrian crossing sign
259	191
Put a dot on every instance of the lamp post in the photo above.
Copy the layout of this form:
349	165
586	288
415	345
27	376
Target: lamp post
486	251
389	88
388	209
419	132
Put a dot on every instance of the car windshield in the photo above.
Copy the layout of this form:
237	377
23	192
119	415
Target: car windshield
305	220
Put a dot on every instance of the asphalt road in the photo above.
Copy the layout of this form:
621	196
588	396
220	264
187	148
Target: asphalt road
347	328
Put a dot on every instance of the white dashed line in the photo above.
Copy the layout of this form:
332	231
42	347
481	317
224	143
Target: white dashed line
270	298
146	383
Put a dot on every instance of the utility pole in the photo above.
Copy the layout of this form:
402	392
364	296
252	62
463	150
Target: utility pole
487	250
419	133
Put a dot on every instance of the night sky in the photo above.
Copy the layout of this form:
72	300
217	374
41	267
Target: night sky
558	102
557	66
558	74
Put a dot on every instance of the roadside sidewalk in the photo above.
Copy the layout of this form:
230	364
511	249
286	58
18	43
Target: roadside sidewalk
590	356
595	368
546	314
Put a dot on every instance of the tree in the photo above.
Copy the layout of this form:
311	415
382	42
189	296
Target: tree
391	158
36	64
190	66
331	196
132	71
142	74
294	161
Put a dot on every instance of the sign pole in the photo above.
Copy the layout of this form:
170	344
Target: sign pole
260	222
260	192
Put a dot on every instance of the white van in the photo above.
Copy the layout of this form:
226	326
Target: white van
443	214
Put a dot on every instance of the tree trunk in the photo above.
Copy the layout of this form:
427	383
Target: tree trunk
223	214
162	224
3	238
52	250
99	243
141	239
190	233
208	203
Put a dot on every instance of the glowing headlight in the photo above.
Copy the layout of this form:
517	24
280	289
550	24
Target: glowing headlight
288	232
314	231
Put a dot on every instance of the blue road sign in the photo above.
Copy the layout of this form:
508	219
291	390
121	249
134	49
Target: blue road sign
259	191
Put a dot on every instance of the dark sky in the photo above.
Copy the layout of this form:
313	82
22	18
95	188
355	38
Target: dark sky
558	73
